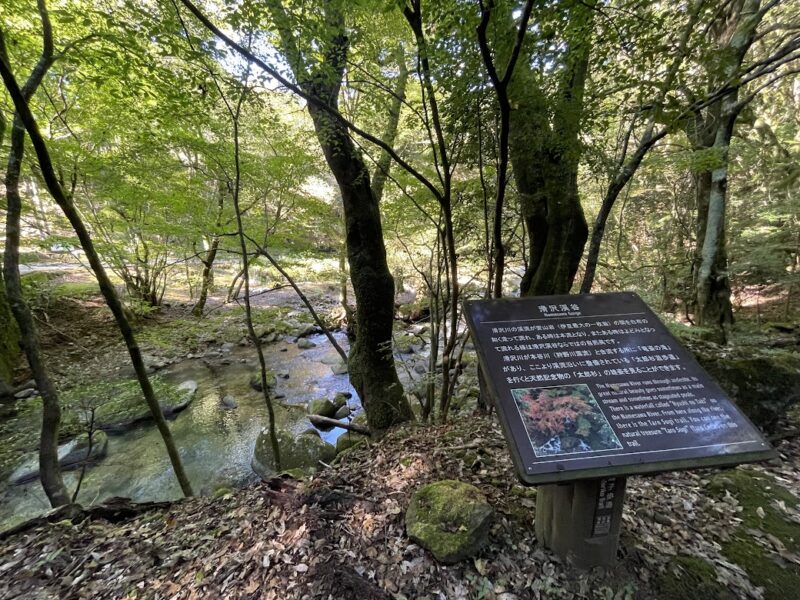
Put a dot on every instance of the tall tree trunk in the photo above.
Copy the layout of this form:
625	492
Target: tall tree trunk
545	153
734	32
9	339
371	362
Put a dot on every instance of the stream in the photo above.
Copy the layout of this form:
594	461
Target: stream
216	444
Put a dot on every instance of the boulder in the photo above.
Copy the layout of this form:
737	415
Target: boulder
121	416
305	330
255	381
339	368
765	387
301	454
342	412
349	439
305	344
341	398
71	455
449	518
322	407
228	402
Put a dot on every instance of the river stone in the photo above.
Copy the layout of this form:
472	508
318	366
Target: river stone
341	398
339	368
228	402
140	413
301	454
23	394
322	407
449	518
342	412
349	439
305	330
71	455
255	381
305	344
153	362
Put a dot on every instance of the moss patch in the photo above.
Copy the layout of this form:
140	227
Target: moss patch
691	577
759	494
115	403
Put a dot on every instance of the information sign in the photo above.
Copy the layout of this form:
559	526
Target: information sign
595	386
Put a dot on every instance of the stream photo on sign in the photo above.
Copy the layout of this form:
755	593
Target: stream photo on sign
564	420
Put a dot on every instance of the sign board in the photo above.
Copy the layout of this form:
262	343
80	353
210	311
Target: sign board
595	386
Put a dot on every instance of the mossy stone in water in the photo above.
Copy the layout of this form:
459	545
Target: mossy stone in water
322	407
303	453
449	518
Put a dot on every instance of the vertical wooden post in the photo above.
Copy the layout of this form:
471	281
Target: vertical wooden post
580	521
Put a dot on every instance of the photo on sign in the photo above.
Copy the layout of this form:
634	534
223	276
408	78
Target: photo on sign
564	420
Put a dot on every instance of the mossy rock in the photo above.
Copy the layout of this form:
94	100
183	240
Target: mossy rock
348	440
764	387
449	518
322	407
341	398
404	343
255	381
303	452
759	494
119	406
72	455
691	577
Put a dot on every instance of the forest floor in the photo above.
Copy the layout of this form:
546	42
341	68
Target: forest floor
704	534
711	534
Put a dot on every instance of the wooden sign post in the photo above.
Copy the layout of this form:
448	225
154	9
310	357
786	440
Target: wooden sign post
590	389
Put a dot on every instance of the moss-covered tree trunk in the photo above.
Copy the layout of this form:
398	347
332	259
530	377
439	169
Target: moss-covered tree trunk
370	363
545	150
9	343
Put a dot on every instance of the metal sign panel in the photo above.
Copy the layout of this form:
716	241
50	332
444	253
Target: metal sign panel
595	386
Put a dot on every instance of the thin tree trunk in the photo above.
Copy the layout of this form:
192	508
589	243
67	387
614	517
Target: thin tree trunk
211	255
262	363
501	83
106	287
49	469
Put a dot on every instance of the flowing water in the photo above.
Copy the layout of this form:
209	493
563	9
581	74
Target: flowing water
216	444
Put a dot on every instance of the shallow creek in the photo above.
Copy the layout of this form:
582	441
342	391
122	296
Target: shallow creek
216	444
